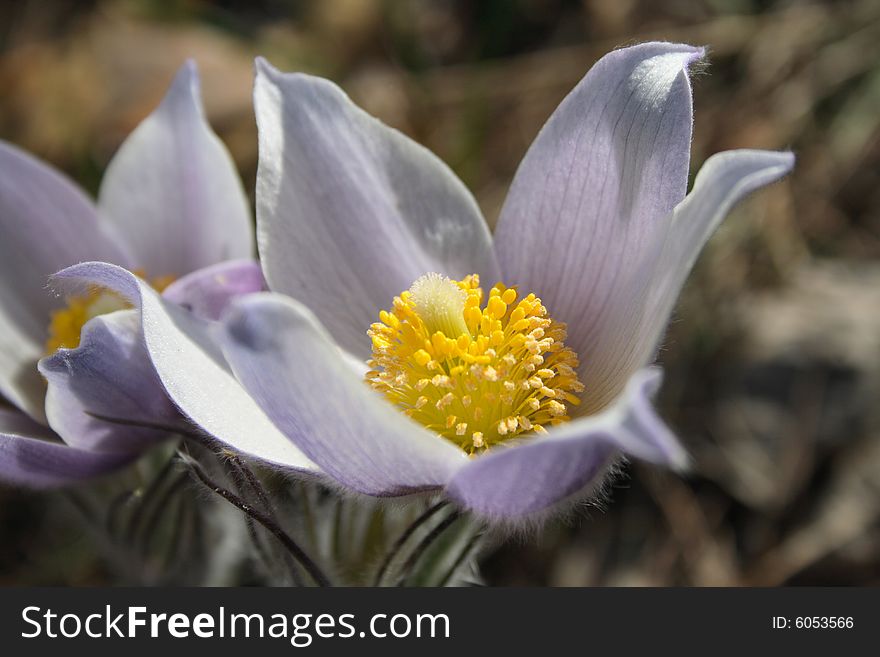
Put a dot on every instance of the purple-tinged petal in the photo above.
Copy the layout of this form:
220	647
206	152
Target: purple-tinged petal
513	482
193	371
46	224
20	382
13	421
591	194
209	291
291	366
172	189
349	211
627	334
32	457
109	374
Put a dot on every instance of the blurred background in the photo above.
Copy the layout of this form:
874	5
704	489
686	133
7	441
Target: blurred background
773	357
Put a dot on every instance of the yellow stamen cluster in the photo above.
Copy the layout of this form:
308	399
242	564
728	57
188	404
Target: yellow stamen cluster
475	374
66	323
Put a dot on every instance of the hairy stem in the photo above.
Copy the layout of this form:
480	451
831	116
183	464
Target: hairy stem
404	537
425	543
295	550
242	476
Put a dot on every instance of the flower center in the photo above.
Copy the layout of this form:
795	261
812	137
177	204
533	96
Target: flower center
66	323
475	374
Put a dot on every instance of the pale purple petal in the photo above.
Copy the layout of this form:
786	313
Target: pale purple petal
631	326
516	481
13	421
291	366
172	189
591	194
351	212
207	292
46	224
193	371
109	374
32	457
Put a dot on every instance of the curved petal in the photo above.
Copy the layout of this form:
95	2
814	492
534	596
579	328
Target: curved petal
193	371
591	193
109	374
209	291
46	223
29	456
510	483
349	211
628	333
288	363
172	189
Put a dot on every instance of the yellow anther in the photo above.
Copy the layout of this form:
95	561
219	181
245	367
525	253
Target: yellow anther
444	401
65	324
496	308
389	318
438	341
441	381
422	357
556	409
475	368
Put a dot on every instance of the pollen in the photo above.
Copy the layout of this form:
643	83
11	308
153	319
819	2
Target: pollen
476	370
65	324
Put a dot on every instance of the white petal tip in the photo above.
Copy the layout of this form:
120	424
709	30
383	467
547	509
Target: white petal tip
187	77
185	89
262	67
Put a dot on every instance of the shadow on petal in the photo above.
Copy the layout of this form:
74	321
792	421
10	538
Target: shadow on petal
515	482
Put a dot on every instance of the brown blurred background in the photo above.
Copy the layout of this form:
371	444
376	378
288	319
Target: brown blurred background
773	359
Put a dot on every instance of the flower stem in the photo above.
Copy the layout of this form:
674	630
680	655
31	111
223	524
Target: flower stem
425	543
471	544
298	553
404	537
136	519
241	476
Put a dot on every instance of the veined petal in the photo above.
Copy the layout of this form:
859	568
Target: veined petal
349	211
209	291
511	483
30	456
627	334
172	189
193	371
46	223
109	374
591	193
285	359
